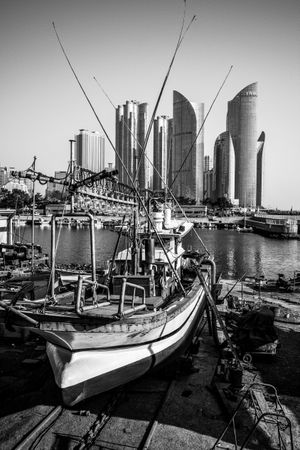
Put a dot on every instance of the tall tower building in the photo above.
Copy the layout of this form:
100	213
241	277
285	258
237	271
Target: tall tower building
260	169
90	150
241	124
188	148
207	163
131	128
4	176
224	168
161	152
170	152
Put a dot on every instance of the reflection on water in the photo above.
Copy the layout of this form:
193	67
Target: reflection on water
238	253
235	253
73	244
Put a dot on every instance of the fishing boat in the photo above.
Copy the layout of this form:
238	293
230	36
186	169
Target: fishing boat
145	313
23	261
245	228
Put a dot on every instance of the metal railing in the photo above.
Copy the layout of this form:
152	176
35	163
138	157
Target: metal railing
80	308
121	311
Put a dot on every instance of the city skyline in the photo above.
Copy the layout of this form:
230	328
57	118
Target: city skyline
42	105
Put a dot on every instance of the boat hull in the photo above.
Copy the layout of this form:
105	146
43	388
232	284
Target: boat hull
83	374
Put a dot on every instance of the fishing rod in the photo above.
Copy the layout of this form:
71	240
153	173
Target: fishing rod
202	125
156	170
125	168
179	42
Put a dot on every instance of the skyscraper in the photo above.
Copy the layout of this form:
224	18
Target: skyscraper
207	163
161	152
224	168
260	169
241	124
131	128
188	148
90	150
4	176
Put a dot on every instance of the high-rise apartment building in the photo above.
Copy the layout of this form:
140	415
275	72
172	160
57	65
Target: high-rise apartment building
161	152
223	168
188	148
260	169
90	150
7	181
131	129
4	176
242	126
207	163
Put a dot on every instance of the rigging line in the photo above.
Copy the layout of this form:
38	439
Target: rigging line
159	97
156	170
52	273
87	98
32	165
125	168
202	125
180	37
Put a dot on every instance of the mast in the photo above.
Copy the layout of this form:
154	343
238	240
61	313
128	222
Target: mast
72	172
135	247
138	195
33	208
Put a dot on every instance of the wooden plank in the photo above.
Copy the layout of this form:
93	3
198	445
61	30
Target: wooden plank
261	401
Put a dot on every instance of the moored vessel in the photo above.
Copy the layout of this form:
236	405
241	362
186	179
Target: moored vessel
144	313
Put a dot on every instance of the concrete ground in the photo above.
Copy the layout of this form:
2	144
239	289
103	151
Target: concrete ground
190	417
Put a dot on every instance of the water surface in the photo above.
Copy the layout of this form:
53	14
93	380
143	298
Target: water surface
235	253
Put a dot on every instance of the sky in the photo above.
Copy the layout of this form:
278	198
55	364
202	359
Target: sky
128	45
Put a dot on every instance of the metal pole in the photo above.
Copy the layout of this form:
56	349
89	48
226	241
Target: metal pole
10	229
72	172
33	208
92	241
53	255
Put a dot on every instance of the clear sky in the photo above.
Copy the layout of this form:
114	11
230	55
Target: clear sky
127	45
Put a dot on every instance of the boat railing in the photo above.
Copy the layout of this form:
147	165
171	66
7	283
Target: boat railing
80	308
134	307
96	285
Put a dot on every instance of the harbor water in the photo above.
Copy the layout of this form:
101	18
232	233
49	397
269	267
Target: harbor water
235	253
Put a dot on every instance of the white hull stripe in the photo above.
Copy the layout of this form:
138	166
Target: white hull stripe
71	368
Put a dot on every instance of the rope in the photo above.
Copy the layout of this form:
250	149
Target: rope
179	42
117	154
154	168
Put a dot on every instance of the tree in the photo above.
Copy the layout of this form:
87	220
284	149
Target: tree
16	199
223	203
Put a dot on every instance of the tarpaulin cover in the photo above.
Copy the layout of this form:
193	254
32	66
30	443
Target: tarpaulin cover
254	329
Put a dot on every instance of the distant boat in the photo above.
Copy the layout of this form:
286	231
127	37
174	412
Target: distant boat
19	222
274	227
244	229
44	221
